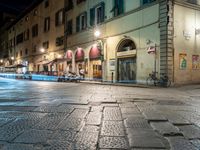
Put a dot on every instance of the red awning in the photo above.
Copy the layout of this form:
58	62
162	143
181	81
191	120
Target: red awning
79	56
95	53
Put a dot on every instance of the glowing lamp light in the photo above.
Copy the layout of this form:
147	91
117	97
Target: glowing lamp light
42	50
12	58
97	33
1	61
59	56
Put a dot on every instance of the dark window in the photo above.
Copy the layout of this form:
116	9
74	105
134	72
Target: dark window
69	5
26	51
26	35
69	27
59	17
46	24
80	1
193	2
20	53
46	3
46	45
16	54
20	38
35	30
97	14
81	22
59	41
147	1
118	8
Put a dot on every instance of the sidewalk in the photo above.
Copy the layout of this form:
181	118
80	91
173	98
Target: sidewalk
115	84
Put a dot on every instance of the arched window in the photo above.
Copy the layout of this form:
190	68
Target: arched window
126	45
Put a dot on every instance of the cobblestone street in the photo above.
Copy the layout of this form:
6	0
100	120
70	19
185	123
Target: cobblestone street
67	116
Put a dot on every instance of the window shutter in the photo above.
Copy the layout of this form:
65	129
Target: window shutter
78	24
92	16
56	19
103	11
121	6
85	14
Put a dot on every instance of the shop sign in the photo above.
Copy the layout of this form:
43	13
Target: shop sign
195	62
112	64
183	61
126	53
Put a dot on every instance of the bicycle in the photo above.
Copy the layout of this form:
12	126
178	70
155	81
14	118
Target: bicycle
154	80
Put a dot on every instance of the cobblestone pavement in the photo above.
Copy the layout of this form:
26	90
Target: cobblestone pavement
67	116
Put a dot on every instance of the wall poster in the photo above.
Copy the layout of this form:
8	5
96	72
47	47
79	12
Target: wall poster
183	61
195	62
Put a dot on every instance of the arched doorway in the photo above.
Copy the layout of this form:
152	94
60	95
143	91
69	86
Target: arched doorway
95	62
79	60
126	61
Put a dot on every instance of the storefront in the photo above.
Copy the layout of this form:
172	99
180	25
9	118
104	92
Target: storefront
79	61
95	65
69	61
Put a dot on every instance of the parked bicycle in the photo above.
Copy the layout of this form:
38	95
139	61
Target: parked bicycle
154	80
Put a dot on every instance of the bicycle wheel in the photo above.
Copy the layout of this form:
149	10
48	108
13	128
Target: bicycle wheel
149	81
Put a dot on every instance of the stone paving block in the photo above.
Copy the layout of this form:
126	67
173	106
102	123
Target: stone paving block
112	113
127	105
132	116
196	143
32	115
54	109
113	143
58	145
17	108
112	128
16	146
146	142
165	128
94	118
135	122
176	119
97	109
130	110
90	128
11	130
71	123
34	136
86	140
79	113
51	121
190	131
154	116
60	135
179	143
4	121
145	138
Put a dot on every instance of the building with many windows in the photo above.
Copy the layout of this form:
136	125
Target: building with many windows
110	40
125	40
36	38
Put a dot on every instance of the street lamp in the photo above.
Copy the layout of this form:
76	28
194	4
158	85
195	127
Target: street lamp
12	58
97	33
1	61
42	50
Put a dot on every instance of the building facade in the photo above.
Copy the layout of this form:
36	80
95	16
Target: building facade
36	39
110	40
124	41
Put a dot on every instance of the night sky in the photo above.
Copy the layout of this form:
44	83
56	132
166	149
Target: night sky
14	6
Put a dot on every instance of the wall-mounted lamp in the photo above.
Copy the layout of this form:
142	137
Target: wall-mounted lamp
97	33
197	31
1	61
42	50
